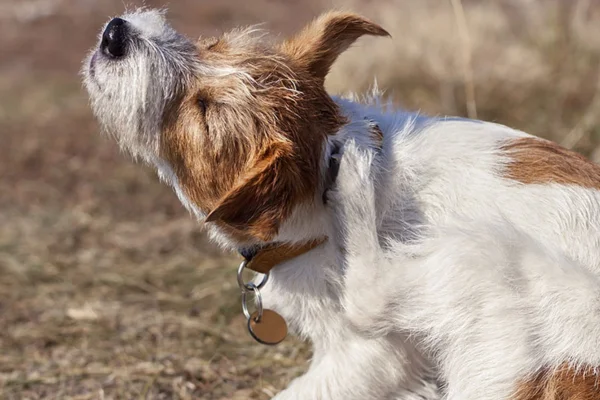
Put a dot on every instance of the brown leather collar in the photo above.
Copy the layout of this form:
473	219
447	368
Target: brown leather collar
264	258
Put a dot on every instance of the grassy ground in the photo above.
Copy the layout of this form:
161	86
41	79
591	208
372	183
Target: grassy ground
108	289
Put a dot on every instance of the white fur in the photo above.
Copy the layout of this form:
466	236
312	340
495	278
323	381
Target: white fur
487	280
452	282
128	97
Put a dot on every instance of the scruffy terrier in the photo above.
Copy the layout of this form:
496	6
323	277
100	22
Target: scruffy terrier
424	257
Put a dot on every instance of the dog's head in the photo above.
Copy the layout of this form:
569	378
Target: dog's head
241	122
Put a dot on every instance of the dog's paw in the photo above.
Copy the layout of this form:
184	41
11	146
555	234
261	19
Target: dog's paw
350	172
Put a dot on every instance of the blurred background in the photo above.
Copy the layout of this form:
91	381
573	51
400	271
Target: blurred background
110	290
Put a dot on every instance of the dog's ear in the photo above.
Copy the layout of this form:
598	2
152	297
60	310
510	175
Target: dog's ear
263	197
321	42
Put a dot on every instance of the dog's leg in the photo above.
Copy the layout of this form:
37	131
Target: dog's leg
352	200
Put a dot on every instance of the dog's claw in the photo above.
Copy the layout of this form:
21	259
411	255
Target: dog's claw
332	173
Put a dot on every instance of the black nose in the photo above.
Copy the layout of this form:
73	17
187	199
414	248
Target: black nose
114	38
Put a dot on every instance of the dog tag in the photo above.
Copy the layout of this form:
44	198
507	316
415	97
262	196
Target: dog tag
270	330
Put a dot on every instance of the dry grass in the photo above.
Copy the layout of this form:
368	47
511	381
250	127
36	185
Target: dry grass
108	289
534	63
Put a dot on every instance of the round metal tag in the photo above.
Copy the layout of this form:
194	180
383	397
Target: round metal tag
270	330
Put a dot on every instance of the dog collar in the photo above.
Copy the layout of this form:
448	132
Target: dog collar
264	325
263	259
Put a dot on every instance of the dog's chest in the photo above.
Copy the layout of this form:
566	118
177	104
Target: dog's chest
305	291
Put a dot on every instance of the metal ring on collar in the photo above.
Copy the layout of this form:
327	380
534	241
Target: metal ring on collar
259	304
248	287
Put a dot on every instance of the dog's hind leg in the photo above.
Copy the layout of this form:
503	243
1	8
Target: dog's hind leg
352	200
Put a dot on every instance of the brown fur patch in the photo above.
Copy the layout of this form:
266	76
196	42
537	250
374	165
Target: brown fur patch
564	383
255	152
265	195
246	144
538	161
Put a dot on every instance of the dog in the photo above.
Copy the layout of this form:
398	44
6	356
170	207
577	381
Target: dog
423	257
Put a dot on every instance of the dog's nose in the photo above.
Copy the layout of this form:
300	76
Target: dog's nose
114	38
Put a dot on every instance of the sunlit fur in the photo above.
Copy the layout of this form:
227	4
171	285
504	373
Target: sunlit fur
225	120
129	97
455	269
482	293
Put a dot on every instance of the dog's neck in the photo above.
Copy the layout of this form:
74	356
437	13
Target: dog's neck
311	221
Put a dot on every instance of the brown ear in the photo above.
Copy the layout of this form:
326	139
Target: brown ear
264	197
321	42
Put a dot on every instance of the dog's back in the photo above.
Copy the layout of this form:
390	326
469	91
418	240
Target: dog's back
469	169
